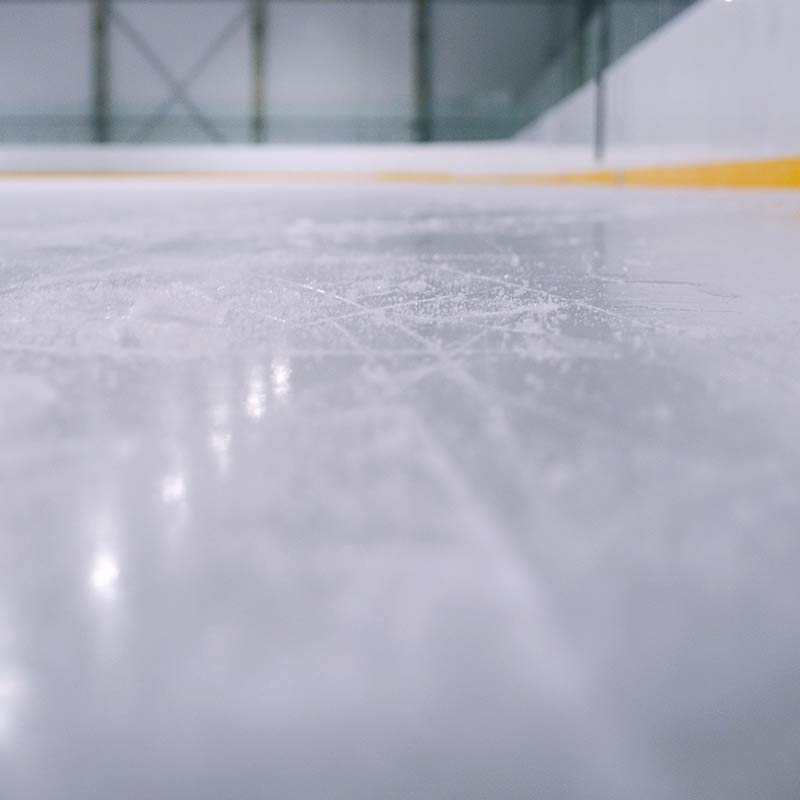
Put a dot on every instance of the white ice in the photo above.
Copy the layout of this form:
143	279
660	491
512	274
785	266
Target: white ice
398	492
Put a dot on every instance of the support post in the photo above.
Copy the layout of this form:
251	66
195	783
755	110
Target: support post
583	28
422	71
603	59
100	73
258	29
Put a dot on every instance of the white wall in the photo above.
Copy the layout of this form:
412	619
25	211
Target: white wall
723	76
569	122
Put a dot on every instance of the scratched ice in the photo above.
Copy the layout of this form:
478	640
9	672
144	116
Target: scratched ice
398	493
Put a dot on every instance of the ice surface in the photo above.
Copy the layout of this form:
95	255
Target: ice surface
397	492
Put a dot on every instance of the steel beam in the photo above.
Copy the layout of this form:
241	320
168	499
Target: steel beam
258	32
583	28
178	89
423	106
603	60
101	128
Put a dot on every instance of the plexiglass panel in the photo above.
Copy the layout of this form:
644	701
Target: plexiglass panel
306	70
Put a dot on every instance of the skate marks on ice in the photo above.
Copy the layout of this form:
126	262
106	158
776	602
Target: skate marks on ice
400	493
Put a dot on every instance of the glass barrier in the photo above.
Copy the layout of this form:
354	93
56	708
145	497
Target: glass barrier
605	33
306	70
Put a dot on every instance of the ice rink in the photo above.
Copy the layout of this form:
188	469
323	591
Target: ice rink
398	492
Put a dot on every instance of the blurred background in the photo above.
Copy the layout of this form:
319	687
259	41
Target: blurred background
582	72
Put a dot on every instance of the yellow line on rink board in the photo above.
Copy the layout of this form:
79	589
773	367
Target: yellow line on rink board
770	174
783	173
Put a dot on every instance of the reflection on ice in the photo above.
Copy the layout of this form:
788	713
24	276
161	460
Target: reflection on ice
281	377
256	401
103	542
221	418
173	488
221	415
11	696
104	573
12	685
220	443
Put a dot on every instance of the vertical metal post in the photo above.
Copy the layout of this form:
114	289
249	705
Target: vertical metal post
583	20
258	29
603	59
422	71
100	72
